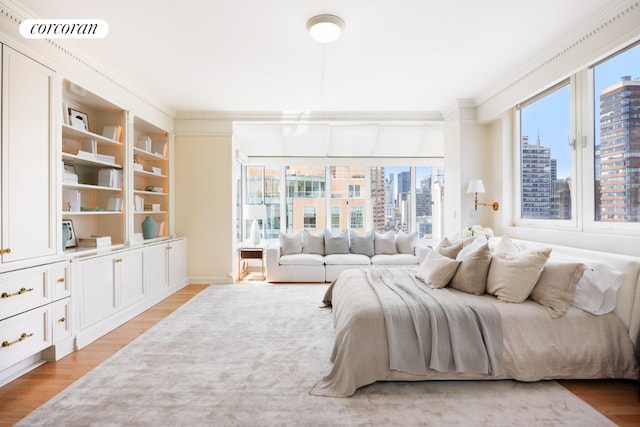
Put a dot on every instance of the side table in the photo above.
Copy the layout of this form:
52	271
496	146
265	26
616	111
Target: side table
249	253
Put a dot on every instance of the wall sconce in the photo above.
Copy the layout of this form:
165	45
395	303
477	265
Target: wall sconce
476	186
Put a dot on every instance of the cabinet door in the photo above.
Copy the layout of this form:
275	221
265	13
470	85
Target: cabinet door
177	251
28	178
97	286
155	268
61	323
130	278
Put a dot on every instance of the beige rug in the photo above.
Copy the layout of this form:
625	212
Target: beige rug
247	355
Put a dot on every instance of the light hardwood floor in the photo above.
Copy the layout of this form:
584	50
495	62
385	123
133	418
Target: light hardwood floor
618	400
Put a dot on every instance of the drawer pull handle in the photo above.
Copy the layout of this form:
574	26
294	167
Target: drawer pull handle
20	292
61	280
23	337
61	320
5	251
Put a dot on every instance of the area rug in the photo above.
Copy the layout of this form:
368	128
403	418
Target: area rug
247	355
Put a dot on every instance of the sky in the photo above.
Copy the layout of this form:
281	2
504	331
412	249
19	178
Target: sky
550	117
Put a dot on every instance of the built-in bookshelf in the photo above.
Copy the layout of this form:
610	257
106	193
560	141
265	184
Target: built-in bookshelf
93	163
150	176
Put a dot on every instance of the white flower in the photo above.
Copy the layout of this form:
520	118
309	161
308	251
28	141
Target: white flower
477	230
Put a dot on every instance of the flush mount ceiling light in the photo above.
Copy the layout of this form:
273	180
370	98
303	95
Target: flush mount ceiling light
325	28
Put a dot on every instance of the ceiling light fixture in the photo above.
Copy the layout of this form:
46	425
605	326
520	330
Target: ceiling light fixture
325	28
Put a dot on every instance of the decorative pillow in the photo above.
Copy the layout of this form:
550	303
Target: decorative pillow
514	272
336	243
405	242
312	243
385	243
556	286
449	250
362	244
471	276
290	244
437	270
597	289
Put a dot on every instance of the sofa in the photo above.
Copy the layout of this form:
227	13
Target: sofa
307	257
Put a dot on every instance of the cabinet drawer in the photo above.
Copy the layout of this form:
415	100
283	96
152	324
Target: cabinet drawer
60	281
60	319
24	335
23	290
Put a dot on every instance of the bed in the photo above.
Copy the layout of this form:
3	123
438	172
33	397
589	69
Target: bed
530	344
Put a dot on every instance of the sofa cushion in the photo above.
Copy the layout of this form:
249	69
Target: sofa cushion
397	259
290	243
301	259
385	243
362	244
336	243
312	243
405	242
347	259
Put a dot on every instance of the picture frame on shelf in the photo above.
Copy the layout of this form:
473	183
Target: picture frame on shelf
78	119
71	242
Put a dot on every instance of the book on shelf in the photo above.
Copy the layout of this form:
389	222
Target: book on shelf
156	171
112	132
160	231
90	147
138	203
86	155
72	197
106	158
152	207
108	177
94	241
159	148
144	143
138	167
115	204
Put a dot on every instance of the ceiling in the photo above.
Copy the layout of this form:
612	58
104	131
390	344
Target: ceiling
256	55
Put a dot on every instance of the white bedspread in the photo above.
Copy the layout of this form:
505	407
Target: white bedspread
535	346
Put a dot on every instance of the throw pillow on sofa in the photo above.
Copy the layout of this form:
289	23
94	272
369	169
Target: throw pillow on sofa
362	244
312	243
336	243
290	244
405	242
385	243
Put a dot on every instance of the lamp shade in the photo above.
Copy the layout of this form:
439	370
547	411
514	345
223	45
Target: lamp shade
254	212
475	186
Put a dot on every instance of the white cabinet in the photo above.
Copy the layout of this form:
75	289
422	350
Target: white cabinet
165	266
24	335
95	278
177	263
28	161
130	278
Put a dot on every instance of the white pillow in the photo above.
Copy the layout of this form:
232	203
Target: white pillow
385	243
362	244
437	270
290	244
405	242
336	243
312	243
597	290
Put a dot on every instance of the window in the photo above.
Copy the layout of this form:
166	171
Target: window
357	218
354	190
309	213
545	156
305	189
617	138
335	218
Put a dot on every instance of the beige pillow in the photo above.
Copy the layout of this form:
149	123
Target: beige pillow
405	242
471	276
437	270
451	251
557	285
385	243
514	272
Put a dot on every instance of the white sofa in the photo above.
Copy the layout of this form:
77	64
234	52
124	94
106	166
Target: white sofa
322	257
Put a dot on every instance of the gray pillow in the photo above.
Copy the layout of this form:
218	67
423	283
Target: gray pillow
290	244
336	243
385	243
312	243
405	242
362	244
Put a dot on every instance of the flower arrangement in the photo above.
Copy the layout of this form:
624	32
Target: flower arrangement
477	230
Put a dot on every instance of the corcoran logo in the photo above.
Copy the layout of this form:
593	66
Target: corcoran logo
64	28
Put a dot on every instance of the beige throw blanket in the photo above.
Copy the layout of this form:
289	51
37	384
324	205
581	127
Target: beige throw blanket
435	329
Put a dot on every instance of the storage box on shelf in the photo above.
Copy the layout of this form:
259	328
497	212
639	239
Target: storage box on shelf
151	176
93	161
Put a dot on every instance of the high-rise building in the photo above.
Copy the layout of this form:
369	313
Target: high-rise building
618	155
536	180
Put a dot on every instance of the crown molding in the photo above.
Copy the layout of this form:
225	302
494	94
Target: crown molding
312	116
